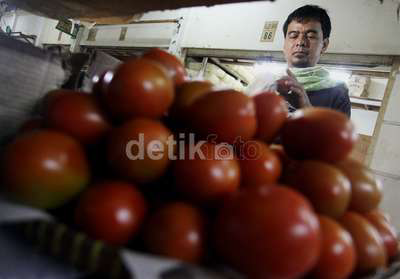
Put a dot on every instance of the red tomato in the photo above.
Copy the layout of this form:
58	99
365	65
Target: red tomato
320	134
268	232
382	215
209	175
177	230
366	190
370	249
44	168
272	113
288	164
325	186
186	94
386	230
258	164
79	115
139	150
175	68
280	152
139	88
338	254
228	115
53	95
111	211
33	123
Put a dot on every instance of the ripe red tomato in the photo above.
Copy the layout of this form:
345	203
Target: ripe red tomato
186	94
111	211
268	232
229	115
370	249
383	215
139	150
338	254
175	68
386	230
325	186
31	124
44	168
288	164
318	133
272	113
177	230
258	164
366	190
53	95
79	115
209	175
139	88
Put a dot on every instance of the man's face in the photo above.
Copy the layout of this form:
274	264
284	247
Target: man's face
304	43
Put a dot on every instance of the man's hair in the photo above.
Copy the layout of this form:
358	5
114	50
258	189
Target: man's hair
310	12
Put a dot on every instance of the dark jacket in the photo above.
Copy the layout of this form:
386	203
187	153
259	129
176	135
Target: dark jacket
335	98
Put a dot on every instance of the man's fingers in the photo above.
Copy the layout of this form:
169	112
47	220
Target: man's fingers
290	74
296	90
290	83
297	86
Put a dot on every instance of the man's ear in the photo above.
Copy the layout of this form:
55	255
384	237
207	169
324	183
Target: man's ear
325	44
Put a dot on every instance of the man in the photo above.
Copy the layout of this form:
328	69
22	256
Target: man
307	32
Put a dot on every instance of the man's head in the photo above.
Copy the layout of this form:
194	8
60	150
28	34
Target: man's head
306	32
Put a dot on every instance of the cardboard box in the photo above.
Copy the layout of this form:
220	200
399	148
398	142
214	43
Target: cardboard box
358	85
27	73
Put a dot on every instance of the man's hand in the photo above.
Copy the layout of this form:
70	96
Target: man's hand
293	91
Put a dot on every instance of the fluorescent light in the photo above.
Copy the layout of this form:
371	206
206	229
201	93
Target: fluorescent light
271	67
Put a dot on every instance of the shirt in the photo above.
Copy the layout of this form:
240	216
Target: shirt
335	98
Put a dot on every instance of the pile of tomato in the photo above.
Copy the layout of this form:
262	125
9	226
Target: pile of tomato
203	176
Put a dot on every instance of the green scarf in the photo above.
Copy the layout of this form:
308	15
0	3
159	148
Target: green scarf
314	78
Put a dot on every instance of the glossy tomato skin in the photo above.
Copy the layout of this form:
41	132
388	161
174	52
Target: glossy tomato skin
112	211
209	176
327	188
318	134
258	164
288	164
366	190
177	230
79	115
272	113
139	88
174	66
44	168
386	230
338	255
268	232
186	94
382	215
139	150
101	83
228	115
370	249
53	95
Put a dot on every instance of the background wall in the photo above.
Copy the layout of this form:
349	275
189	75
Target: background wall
359	26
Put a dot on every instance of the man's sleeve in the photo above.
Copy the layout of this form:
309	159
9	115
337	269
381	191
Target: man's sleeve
343	103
